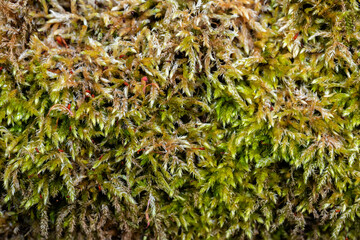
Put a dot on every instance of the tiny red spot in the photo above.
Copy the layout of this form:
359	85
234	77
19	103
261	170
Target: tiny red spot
37	150
68	196
99	187
296	35
101	157
271	108
61	150
71	71
70	128
69	106
144	79
61	41
92	95
88	91
122	56
1	68
337	210
40	196
126	84
202	148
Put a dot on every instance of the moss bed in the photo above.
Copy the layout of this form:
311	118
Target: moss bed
174	119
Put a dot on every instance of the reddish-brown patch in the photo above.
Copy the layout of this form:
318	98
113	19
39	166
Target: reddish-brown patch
61	41
296	35
138	151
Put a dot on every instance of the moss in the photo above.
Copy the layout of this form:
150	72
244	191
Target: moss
179	119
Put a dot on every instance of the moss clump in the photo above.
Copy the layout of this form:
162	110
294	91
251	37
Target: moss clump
179	119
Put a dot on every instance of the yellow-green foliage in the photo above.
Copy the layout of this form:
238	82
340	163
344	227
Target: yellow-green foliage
173	119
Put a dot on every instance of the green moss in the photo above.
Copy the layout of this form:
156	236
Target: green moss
245	127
